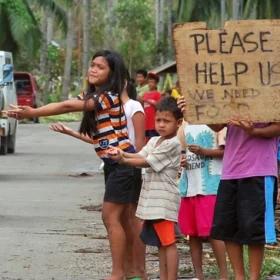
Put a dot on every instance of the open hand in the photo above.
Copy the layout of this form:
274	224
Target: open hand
20	112
61	128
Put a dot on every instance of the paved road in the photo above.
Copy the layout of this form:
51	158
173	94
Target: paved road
44	233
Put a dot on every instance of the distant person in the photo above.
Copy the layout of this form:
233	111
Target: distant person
159	198
141	83
175	93
150	99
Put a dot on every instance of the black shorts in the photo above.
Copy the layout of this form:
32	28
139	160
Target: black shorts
244	211
122	183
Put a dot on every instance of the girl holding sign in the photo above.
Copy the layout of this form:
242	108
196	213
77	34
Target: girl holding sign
244	211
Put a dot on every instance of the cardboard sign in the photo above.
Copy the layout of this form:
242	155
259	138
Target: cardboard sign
231	72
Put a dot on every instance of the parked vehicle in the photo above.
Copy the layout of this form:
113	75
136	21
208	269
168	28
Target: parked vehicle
26	90
8	126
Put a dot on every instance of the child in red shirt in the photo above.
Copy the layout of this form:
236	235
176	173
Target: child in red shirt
150	99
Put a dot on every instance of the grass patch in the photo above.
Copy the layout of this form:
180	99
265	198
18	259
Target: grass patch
69	117
271	265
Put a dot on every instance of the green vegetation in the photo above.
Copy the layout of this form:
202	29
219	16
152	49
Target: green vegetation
54	39
271	265
70	117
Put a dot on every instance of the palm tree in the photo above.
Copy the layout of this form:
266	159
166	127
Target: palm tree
217	11
19	28
86	35
69	49
196	10
268	9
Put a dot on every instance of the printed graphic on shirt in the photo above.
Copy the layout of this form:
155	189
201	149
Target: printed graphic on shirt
111	125
104	143
203	173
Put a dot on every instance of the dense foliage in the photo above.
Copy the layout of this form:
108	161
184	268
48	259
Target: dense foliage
139	29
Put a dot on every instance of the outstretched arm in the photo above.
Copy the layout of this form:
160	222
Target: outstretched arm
73	105
127	158
136	162
61	128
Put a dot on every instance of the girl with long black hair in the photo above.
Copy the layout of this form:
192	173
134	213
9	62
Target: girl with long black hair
104	121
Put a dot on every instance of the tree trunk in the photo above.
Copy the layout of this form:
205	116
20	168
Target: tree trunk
50	20
110	42
86	26
79	44
157	8
68	57
223	12
42	95
161	30
237	6
159	26
44	45
169	29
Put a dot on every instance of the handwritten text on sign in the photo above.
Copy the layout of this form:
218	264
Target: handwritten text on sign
230	72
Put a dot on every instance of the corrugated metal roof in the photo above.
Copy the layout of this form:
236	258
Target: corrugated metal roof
168	67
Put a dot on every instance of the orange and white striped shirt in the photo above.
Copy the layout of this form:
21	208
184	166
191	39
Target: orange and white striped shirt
111	126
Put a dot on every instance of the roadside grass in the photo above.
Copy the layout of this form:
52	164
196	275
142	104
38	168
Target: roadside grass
271	265
69	117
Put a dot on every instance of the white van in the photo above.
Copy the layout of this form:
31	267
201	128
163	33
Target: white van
8	126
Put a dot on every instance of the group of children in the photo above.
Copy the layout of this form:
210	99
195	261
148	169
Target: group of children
238	209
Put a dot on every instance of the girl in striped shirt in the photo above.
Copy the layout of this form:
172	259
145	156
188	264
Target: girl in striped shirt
104	121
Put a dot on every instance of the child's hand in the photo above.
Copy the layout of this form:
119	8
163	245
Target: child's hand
20	112
181	103
196	149
115	153
60	127
246	125
183	161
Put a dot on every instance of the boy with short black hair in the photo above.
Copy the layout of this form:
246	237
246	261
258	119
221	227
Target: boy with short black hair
159	198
